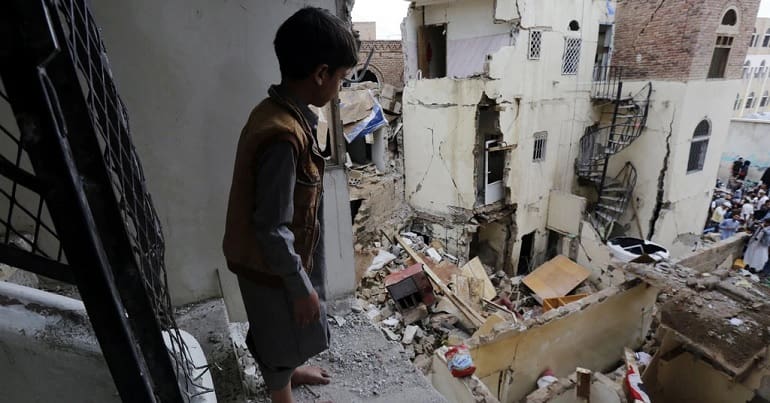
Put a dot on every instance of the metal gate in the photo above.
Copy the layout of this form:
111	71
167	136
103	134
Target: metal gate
73	202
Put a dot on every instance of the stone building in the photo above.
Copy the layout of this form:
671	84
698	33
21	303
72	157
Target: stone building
387	63
532	126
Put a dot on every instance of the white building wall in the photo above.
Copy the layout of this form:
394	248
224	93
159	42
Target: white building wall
190	71
532	95
749	139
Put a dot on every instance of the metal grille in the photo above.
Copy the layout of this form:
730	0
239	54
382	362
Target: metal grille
24	219
535	41
571	57
110	119
538	154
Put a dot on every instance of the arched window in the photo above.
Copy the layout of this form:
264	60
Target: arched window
730	18
699	146
763	101
750	100
766	40
754	39
574	26
747	69
737	104
760	71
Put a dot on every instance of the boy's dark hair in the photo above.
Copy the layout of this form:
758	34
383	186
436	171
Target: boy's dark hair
311	37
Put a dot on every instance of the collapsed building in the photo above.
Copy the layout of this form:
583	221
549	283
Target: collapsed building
520	117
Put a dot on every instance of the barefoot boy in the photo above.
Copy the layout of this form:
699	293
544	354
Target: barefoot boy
273	235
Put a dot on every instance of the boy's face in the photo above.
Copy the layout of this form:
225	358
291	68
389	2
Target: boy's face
329	83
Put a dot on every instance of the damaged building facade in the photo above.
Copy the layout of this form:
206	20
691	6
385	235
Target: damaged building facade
528	131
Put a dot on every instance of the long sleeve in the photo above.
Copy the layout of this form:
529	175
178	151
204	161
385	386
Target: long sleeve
274	211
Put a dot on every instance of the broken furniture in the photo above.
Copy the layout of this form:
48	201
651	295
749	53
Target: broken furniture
555	278
410	288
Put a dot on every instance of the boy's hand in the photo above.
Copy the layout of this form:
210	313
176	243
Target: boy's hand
307	309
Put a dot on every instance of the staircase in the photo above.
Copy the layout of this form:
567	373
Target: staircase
628	117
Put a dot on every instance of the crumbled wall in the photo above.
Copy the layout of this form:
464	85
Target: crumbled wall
590	333
716	255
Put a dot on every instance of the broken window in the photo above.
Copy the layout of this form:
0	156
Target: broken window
699	146
432	51
750	100
730	18
720	57
535	42
538	154
763	102
603	50
571	57
491	154
526	253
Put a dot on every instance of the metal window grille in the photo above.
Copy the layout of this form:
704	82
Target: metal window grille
538	153
25	223
110	119
535	43
571	57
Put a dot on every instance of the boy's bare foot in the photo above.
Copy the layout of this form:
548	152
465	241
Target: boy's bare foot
309	375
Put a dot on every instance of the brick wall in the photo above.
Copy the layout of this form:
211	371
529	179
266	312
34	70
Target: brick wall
674	39
387	61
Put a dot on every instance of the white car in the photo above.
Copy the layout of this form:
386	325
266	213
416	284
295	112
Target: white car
627	249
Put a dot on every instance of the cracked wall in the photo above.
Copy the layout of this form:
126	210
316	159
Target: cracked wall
532	97
674	39
676	108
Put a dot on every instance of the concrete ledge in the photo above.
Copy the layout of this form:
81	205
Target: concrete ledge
50	353
710	258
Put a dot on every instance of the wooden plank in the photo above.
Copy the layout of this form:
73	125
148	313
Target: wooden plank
553	303
555	278
474	317
583	384
475	269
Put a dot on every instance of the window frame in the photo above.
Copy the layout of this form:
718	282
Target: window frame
531	54
750	100
764	99
572	45
699	143
540	146
766	39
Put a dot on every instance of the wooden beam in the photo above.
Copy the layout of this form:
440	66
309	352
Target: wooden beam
474	317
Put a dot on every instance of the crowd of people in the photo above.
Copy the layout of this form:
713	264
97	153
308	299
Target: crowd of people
744	205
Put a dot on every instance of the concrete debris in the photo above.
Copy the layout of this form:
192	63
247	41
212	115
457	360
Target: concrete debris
409	334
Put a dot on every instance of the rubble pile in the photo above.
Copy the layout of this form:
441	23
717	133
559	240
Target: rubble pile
417	295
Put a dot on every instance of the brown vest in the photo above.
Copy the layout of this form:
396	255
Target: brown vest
273	120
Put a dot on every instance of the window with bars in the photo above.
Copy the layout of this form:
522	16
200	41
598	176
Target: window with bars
571	57
763	101
699	146
535	43
538	153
